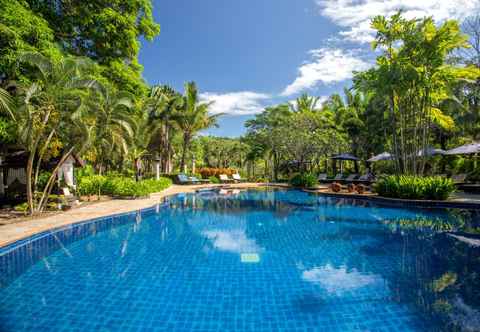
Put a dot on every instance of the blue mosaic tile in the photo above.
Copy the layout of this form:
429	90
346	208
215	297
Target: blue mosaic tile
244	261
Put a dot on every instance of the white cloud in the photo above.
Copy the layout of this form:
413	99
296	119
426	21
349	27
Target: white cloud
340	280
355	15
236	103
327	65
235	241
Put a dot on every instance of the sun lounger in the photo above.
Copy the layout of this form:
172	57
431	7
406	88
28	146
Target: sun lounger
183	179
351	178
338	178
365	179
237	178
225	179
459	178
322	177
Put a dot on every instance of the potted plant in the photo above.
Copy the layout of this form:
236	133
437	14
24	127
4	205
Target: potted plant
336	187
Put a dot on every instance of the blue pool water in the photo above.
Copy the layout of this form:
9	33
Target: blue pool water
264	260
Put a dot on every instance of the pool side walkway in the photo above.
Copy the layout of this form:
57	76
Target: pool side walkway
10	233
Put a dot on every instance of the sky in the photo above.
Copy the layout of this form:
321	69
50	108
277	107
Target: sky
246	55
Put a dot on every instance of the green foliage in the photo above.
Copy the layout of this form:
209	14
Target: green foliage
126	187
414	187
214	179
106	31
120	186
155	185
192	117
42	179
91	185
23	207
306	180
415	77
22	30
7	130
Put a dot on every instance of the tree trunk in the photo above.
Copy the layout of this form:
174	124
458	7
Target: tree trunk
51	181
186	141
31	157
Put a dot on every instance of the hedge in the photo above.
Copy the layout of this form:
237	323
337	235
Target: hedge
415	187
303	180
120	186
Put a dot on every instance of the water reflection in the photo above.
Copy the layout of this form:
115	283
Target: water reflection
428	259
234	240
340	280
256	258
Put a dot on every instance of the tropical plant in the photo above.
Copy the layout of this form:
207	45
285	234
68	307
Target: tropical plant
414	77
306	180
192	117
111	116
163	104
50	117
414	187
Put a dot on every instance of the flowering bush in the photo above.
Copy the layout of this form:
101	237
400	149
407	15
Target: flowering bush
208	172
336	187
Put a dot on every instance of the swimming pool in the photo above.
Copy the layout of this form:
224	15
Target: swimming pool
256	260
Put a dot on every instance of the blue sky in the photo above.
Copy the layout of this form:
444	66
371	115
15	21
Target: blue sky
249	54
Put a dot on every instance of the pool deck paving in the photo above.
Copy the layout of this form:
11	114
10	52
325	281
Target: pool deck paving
25	227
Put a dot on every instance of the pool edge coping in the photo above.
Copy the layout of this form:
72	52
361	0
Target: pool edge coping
396	202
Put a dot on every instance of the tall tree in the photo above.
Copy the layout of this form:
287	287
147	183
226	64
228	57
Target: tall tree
50	117
111	116
108	31
192	118
415	77
163	103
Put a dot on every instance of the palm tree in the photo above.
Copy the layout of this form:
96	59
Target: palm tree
51	110
6	103
192	118
113	129
304	103
163	103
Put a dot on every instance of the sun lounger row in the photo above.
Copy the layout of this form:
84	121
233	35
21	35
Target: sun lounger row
184	179
352	178
369	178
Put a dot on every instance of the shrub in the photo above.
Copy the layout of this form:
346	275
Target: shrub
125	187
155	185
128	187
336	187
415	187
91	185
303	180
116	185
361	188
214	179
23	207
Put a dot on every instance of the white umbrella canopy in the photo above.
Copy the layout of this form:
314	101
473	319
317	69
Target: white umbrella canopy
465	149
431	151
381	156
